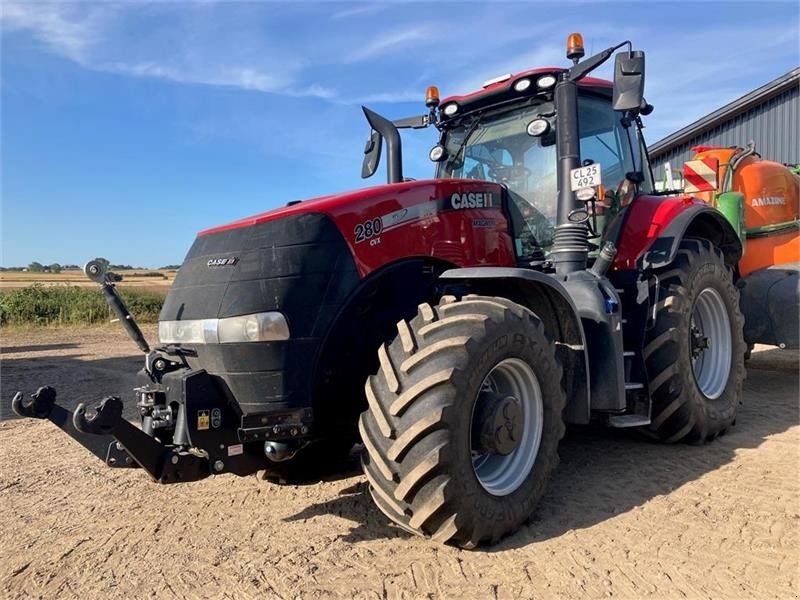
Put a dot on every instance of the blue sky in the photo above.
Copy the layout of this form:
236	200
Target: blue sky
128	127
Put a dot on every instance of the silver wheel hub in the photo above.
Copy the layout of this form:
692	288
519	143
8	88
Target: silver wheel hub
710	343
506	426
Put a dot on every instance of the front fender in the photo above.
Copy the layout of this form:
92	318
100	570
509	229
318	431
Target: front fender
654	227
548	299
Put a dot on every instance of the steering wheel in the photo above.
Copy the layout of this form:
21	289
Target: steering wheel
506	173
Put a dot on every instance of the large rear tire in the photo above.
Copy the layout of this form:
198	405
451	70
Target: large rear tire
695	351
464	419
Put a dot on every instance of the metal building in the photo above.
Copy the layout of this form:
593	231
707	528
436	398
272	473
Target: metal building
768	116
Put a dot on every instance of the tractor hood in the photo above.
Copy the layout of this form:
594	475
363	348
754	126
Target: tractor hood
332	204
300	253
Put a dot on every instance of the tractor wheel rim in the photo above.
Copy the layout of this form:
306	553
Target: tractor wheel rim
710	343
501	475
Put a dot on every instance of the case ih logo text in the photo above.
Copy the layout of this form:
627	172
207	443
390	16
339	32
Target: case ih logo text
471	200
225	261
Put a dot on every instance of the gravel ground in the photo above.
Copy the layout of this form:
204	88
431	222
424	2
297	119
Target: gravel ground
622	518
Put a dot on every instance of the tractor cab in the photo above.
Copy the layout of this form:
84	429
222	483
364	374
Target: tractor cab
566	148
513	142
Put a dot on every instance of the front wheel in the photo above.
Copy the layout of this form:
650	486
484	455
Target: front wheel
695	350
464	419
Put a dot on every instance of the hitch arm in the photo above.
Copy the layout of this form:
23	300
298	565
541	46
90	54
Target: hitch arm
107	420
42	405
113	439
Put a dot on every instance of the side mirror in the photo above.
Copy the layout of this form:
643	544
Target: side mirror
372	155
628	80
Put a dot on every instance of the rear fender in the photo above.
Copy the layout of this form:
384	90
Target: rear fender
701	222
548	299
654	227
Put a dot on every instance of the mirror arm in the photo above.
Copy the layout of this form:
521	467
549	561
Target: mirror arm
582	69
418	122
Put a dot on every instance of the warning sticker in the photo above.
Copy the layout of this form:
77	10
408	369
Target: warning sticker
700	175
203	420
235	450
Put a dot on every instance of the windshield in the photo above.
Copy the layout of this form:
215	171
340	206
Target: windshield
495	146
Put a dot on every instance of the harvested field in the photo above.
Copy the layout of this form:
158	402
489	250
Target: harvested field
136	278
622	518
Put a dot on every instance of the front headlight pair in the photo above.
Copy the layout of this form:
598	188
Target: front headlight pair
258	327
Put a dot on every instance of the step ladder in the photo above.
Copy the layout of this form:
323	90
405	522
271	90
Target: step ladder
631	387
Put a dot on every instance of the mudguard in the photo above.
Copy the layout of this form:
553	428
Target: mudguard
550	301
654	227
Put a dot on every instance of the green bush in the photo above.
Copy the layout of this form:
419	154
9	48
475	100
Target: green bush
72	305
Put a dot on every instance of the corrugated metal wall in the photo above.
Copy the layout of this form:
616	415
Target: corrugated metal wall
773	125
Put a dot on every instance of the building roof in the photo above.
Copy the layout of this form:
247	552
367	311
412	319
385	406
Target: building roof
727	112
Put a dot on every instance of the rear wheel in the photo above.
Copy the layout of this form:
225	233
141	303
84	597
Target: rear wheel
464	420
695	350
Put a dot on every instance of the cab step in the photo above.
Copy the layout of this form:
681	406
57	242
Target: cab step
628	420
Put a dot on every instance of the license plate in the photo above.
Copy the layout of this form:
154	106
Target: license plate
585	177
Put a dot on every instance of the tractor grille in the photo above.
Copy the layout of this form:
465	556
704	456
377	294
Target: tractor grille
298	265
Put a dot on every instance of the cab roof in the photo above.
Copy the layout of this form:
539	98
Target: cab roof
503	89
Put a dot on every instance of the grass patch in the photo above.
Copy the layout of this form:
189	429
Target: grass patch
72	305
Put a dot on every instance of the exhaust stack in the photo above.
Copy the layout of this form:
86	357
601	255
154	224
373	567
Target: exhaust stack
394	151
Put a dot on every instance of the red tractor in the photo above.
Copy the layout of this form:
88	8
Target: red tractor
453	325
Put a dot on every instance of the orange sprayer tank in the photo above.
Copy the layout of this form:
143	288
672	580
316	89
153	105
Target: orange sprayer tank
772	206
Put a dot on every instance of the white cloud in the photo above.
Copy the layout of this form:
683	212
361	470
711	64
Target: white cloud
87	37
358	11
63	30
385	42
386	98
387	59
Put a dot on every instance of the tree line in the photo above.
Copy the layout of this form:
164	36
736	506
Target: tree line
37	267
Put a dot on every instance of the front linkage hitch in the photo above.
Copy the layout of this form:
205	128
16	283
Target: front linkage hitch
168	449
113	439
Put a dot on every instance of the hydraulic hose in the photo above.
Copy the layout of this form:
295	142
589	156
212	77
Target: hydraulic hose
727	182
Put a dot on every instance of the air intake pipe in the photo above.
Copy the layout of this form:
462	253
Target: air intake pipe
571	240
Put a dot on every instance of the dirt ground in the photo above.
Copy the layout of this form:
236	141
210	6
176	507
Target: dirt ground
622	518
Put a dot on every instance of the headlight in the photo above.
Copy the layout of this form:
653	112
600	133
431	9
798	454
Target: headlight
259	327
181	332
